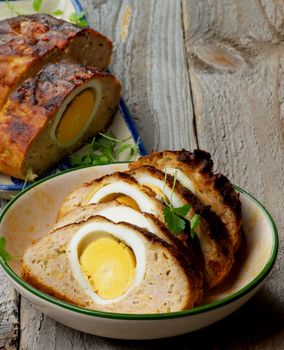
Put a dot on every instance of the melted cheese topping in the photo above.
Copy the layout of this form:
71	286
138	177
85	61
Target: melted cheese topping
75	116
109	266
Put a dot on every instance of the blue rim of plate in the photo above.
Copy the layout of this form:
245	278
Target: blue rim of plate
120	316
65	163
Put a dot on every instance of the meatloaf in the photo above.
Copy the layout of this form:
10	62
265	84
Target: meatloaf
27	43
53	114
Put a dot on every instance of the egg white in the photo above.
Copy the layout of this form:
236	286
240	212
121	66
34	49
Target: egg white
96	87
96	230
129	215
181	177
143	200
144	179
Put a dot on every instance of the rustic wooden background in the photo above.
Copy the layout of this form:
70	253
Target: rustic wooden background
196	73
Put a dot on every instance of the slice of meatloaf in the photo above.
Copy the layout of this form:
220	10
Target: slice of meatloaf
110	187
194	171
27	43
52	114
166	285
212	234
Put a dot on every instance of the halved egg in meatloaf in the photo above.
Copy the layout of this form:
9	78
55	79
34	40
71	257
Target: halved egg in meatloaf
28	43
113	267
120	212
52	114
118	186
194	170
143	189
212	234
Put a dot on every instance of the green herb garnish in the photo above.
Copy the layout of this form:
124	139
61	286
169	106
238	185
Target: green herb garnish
78	18
15	9
105	149
194	223
3	252
36	4
175	218
57	12
174	221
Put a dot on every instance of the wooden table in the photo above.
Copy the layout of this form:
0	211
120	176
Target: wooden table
208	74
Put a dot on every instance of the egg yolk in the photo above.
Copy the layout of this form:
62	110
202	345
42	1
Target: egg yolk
156	190
122	199
109	266
75	116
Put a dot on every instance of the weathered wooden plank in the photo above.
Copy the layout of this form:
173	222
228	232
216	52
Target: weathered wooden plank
235	51
9	320
150	61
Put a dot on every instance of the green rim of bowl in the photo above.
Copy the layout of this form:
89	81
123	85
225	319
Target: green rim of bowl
120	316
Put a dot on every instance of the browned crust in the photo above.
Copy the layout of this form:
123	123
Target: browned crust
218	231
33	105
200	164
189	248
202	159
26	40
212	225
118	175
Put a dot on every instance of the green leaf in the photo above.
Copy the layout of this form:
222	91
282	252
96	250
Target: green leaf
5	256
2	243
16	10
194	221
78	18
182	211
102	150
77	15
123	148
76	160
57	12
37	5
3	253
174	223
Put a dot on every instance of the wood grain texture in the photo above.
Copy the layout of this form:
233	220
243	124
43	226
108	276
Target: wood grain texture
150	61
9	309
235	58
216	65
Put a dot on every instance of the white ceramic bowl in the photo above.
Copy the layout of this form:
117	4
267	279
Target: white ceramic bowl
32	214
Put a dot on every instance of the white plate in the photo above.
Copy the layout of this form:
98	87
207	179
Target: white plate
32	214
122	125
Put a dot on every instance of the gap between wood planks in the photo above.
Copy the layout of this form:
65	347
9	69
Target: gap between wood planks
194	123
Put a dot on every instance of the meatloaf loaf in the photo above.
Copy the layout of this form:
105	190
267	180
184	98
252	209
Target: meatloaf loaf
27	43
53	114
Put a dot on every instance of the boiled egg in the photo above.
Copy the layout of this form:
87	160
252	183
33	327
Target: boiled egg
118	212
108	260
124	189
157	181
181	177
76	113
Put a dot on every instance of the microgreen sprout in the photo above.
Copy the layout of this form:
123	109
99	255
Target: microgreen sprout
175	218
104	149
